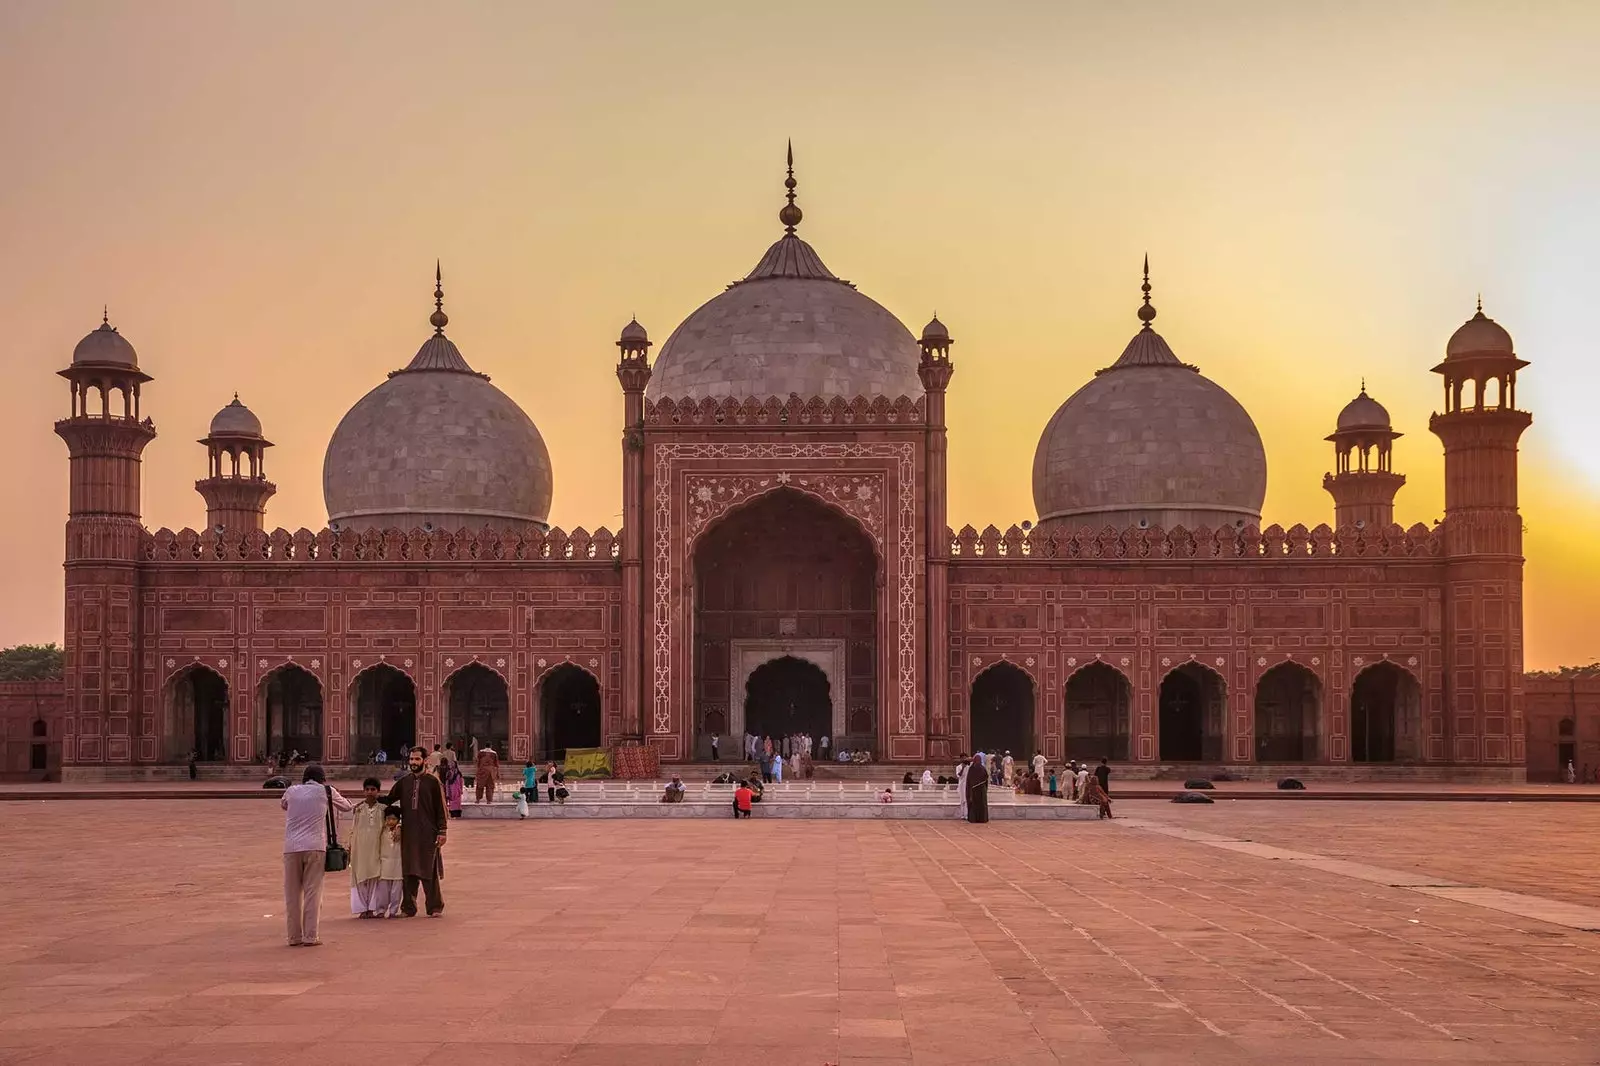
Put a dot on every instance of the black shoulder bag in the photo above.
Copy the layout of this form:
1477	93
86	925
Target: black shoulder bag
338	856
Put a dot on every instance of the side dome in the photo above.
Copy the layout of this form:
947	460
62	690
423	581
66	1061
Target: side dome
437	444
1150	440
789	326
235	420
104	346
1364	412
1479	335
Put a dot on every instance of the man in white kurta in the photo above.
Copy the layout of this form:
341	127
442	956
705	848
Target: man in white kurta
365	849
961	790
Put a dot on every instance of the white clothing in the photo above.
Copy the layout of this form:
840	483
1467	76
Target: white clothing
777	767
306	826
961	791
1083	780
927	779
1038	766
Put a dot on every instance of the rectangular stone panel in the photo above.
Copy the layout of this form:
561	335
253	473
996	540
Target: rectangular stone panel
475	619
196	620
1192	617
1010	616
1385	616
1076	616
1287	616
383	620
291	619
568	619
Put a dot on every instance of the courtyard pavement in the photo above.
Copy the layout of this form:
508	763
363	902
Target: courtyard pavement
152	932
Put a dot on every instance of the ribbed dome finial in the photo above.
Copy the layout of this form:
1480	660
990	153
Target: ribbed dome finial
790	214
438	319
1147	313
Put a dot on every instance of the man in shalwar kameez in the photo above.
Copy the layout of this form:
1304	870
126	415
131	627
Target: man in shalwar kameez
424	819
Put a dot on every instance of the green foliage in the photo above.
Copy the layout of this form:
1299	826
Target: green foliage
30	662
1568	671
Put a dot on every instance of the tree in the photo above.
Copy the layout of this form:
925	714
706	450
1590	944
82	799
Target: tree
30	662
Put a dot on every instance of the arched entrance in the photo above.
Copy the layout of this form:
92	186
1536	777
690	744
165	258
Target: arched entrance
1288	714
787	696
479	709
1385	715
787	568
291	719
569	711
383	713
1099	713
1002	712
1192	713
197	715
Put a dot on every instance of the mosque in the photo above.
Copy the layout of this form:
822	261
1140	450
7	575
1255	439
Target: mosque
785	564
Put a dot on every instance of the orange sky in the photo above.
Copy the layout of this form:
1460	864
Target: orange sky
259	192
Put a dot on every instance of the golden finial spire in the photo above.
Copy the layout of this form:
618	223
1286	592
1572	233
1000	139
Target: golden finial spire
438	319
1147	313
1480	303
790	214
105	314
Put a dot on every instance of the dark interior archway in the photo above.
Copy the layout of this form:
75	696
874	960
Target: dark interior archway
291	700
1191	716
197	715
1002	712
787	696
383	713
569	711
787	566
1385	715
1099	713
1288	714
479	709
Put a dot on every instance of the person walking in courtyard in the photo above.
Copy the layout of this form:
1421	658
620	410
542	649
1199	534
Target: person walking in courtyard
1102	773
1038	764
530	782
485	775
1572	773
435	757
1080	785
450	777
977	789
310	808
963	767
715	755
822	748
424	821
1008	771
366	833
777	768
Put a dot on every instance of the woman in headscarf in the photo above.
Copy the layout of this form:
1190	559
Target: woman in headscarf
977	790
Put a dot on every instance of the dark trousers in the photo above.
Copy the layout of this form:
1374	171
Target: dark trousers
737	813
430	888
714	757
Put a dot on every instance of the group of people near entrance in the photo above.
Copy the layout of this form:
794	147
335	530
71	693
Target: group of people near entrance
395	844
976	773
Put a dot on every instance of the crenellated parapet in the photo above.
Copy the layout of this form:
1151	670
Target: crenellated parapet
380	546
794	411
1154	543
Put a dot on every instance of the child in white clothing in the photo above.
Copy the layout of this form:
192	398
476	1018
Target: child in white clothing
386	900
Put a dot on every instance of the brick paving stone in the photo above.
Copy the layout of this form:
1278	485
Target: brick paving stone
156	938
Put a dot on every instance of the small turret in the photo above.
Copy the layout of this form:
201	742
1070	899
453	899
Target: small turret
236	489
1363	484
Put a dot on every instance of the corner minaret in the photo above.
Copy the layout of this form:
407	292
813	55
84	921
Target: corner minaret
1480	427
935	370
236	489
1364	483
633	373
106	437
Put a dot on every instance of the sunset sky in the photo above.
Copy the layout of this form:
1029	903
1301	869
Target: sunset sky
259	192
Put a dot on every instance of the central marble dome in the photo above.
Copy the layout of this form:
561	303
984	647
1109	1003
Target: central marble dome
789	326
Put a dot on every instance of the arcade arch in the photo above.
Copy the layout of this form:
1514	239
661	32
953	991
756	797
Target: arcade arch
196	717
1001	711
1385	715
1288	714
383	712
478	708
1099	718
290	698
1192	714
569	711
788	696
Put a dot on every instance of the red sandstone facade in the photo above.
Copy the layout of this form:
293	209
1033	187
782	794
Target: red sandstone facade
803	529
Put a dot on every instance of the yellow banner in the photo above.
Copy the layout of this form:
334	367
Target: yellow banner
588	762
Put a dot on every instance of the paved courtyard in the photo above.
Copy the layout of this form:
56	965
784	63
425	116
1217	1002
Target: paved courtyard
152	932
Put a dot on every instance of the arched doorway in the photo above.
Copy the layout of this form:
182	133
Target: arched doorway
291	720
787	568
1385	715
383	713
479	709
1002	712
1192	713
1099	713
569	711
197	715
787	696
1288	714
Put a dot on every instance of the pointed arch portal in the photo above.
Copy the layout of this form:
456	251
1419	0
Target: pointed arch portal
383	712
1288	714
1002	711
197	715
291	719
569	711
786	696
479	709
1192	714
1385	715
1099	713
